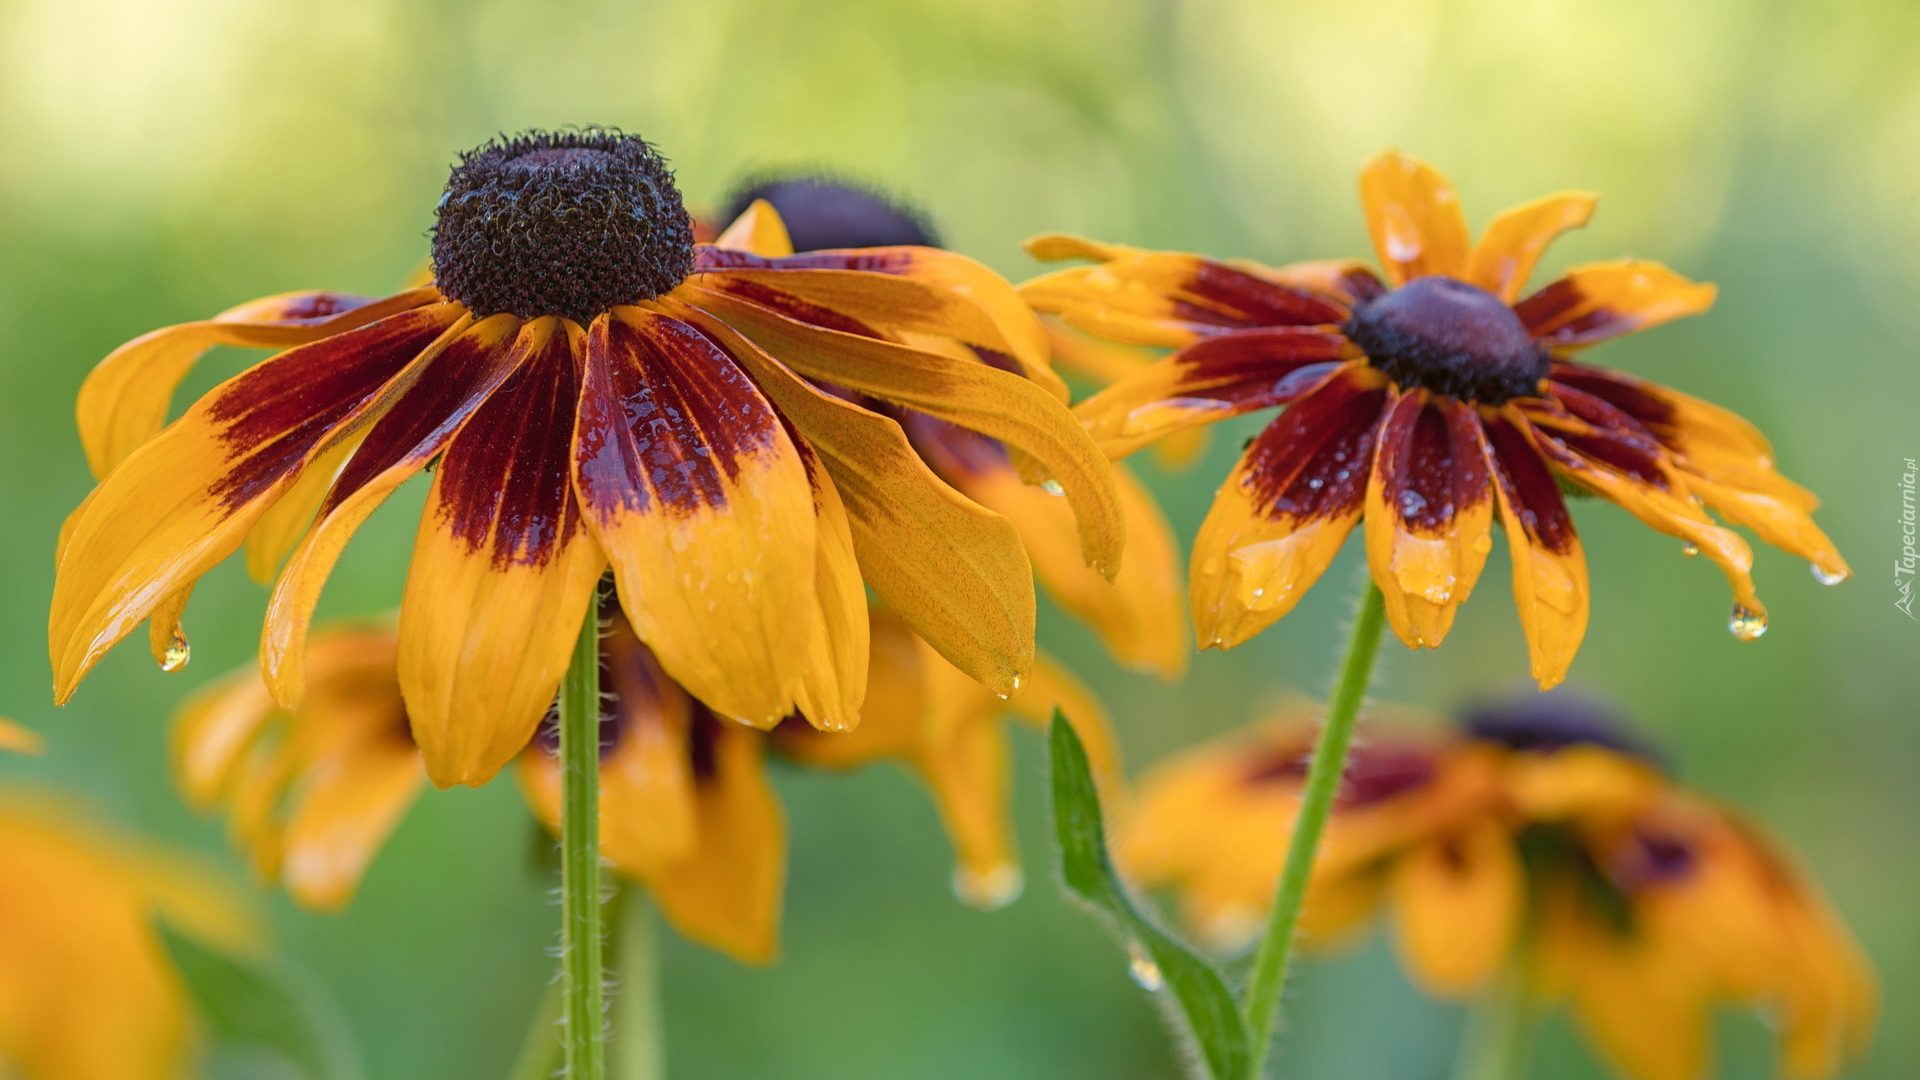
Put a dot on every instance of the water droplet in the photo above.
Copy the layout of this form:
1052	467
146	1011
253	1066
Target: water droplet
1483	543
1143	969
178	652
1052	487
1827	577
1746	624
1690	549
994	889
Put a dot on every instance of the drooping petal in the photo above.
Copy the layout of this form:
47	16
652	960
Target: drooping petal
963	758
1457	907
347	806
647	809
458	378
1514	241
1429	514
954	570
1597	301
727	893
186	498
1415	219
124	401
273	537
1285	509
1220	377
1138	614
502	573
834	682
972	395
902	289
1549	567
1638	479
691	484
893	717
1166	298
1644	1009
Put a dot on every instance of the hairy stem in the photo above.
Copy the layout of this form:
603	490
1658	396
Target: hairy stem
1316	803
582	1026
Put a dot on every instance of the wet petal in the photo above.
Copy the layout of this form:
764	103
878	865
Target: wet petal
1414	216
124	401
972	395
1285	510
501	576
1218	378
273	537
1457	908
1598	301
186	499
460	375
1638	479
727	894
834	683
956	571
1549	567
1167	298
893	717
1515	240
1429	514
691	484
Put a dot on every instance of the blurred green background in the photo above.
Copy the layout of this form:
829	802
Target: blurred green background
167	158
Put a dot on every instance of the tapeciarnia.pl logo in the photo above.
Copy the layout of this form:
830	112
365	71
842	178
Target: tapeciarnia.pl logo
1903	567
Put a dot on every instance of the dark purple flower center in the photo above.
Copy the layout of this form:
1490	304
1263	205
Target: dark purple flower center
1445	335
1544	723
560	223
822	211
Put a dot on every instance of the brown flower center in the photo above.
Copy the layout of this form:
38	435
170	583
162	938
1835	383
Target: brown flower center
1445	335
560	223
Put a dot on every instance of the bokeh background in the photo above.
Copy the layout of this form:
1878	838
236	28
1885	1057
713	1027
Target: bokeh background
164	159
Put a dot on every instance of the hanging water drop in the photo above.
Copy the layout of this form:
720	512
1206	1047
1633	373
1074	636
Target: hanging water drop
1747	624
178	652
1143	970
1827	577
1052	487
1690	549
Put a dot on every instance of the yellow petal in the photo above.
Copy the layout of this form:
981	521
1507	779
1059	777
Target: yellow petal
692	485
1415	219
759	230
1597	301
1457	906
1513	243
834	683
727	894
347	807
955	571
502	573
1549	566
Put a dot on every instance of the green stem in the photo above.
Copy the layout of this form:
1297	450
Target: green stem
582	1028
540	1050
1499	1036
1316	803
639	1047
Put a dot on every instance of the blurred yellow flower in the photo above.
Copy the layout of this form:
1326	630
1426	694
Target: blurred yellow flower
86	989
1540	839
686	808
1428	405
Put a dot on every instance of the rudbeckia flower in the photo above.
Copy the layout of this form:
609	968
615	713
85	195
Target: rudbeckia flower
686	808
1428	404
1136	613
87	991
1542	839
591	388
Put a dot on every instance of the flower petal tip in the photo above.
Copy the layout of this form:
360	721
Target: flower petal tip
988	890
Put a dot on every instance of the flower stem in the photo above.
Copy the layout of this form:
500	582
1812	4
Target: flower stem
639	1043
582	1027
1316	803
1499	1035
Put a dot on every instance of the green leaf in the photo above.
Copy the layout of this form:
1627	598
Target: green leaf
262	1022
1204	1010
